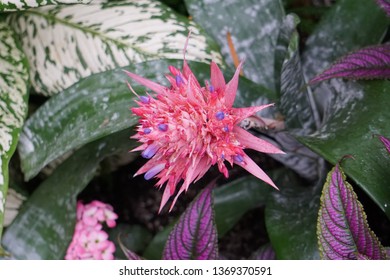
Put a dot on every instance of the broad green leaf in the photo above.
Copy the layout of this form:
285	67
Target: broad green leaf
13	104
254	27
291	216
295	99
67	43
44	227
97	106
295	102
231	202
351	132
17	5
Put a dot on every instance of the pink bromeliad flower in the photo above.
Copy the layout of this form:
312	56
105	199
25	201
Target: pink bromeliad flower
186	128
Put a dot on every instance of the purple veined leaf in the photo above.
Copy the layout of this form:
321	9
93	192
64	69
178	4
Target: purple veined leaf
385	5
265	252
194	236
386	142
367	63
128	253
342	228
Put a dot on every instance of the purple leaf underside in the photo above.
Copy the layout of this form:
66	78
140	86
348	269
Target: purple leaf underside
194	236
368	63
386	142
342	228
130	255
385	5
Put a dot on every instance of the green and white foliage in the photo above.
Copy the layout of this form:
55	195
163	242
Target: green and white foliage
67	43
13	104
17	5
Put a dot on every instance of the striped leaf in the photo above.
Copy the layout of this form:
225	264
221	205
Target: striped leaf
13	104
67	43
17	5
367	63
252	26
342	228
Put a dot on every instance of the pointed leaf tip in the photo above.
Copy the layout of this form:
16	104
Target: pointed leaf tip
386	142
194	236
342	228
130	255
368	63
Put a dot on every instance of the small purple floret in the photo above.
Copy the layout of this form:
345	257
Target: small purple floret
225	128
144	99
179	80
150	151
147	130
211	89
163	127
154	171
220	115
238	158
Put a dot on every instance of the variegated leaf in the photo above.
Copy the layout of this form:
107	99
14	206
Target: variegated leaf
13	104
16	5
67	43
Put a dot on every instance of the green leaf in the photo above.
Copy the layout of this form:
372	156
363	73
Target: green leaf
45	224
17	5
295	99
14	84
67	43
231	202
234	199
290	217
348	26
351	132
254	27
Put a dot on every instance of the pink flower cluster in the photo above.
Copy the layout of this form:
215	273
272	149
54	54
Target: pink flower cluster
90	241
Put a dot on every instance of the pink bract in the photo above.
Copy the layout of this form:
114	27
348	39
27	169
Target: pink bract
184	129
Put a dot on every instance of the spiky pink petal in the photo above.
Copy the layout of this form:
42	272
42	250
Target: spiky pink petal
249	165
243	113
149	84
217	79
252	142
231	88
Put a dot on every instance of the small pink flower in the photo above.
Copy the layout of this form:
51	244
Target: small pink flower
187	128
90	241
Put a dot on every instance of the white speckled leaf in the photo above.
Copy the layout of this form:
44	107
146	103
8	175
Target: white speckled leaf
254	27
16	5
67	43
13	104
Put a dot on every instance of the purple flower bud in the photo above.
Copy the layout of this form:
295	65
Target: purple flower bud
211	89
179	80
238	158
150	151
225	128
154	171
147	130
144	99
163	127
220	115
